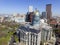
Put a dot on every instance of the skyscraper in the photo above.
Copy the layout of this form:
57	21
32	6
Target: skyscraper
44	15
30	8
29	14
48	11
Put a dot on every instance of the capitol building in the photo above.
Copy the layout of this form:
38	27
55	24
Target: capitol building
37	32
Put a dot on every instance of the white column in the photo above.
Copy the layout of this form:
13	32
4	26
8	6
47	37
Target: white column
39	39
29	38
32	39
26	43
35	40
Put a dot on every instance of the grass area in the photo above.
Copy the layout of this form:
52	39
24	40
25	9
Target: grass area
5	39
6	31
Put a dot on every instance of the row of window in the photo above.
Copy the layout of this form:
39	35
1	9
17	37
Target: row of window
31	39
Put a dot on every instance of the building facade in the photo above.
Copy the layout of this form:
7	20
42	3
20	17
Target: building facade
29	36
29	16
44	15
47	35
32	35
1	18
48	11
19	18
30	9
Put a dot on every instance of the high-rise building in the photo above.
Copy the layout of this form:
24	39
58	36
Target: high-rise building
30	8
44	15
29	16
48	11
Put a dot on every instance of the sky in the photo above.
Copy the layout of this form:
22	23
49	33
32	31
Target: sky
21	6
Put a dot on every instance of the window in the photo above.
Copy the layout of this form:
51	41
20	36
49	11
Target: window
36	39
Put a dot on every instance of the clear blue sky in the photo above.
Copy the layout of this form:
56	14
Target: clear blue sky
21	6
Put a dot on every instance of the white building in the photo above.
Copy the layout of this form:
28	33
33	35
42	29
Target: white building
30	8
29	36
20	18
1	18
47	35
32	35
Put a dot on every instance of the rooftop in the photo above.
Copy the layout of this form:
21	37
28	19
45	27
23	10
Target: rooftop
28	29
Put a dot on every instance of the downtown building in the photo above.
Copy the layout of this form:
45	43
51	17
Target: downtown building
2	18
19	18
29	14
44	15
49	12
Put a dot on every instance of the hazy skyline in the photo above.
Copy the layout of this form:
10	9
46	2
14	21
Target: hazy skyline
21	6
